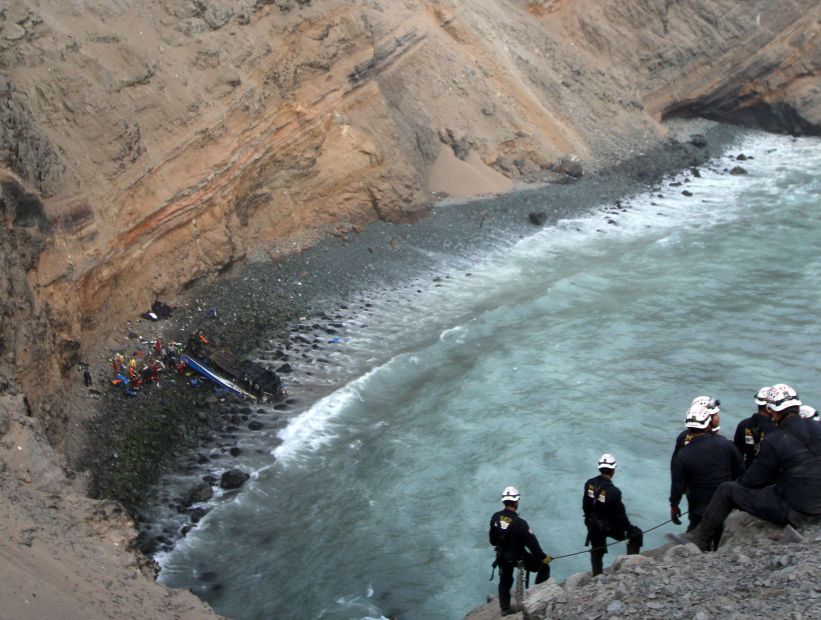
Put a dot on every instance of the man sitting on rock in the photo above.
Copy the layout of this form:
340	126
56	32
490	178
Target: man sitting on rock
750	432
791	455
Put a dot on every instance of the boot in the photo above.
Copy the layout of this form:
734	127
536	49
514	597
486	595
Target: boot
510	610
701	536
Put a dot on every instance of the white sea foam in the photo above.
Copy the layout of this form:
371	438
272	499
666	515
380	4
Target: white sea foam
314	427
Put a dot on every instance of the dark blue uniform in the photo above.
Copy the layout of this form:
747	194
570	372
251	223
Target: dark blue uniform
605	515
749	433
515	541
792	456
699	468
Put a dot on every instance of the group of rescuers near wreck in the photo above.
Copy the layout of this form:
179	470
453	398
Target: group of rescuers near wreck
771	470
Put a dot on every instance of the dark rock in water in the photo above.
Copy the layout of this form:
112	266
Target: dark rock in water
200	493
201	458
290	401
255	425
185	529
233	479
285	368
198	513
738	170
210	478
698	140
235	451
537	218
280	407
208	576
696	173
675	184
686	192
741	157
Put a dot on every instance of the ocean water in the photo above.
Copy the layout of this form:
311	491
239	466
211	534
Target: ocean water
519	367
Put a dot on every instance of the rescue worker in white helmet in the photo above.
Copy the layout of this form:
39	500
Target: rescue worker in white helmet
605	515
686	436
750	431
514	542
809	413
702	465
792	456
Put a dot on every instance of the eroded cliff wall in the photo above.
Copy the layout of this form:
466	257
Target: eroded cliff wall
149	144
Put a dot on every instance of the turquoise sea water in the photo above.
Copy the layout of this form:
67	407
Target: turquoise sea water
586	337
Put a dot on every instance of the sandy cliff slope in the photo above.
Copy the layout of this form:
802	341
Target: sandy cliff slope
150	144
146	145
63	555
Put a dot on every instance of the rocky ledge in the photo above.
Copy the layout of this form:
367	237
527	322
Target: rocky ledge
759	571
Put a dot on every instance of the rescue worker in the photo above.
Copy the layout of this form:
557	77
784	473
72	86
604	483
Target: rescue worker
686	436
702	465
791	455
510	535
750	432
809	413
604	515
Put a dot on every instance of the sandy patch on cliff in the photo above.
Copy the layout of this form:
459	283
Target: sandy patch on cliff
464	178
63	555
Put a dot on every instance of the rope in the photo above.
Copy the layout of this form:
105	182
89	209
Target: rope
550	558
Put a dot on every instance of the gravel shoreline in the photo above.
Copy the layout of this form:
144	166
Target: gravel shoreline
132	442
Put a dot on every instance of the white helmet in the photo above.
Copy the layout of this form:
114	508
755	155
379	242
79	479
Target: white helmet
761	396
510	494
701	412
810	413
781	396
607	461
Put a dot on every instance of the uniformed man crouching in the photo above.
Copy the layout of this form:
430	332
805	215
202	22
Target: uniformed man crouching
511	534
604	515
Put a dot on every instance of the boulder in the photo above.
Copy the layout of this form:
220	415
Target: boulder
738	170
570	165
233	479
200	493
537	218
540	596
698	140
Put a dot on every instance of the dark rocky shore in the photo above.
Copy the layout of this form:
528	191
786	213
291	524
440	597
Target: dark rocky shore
178	428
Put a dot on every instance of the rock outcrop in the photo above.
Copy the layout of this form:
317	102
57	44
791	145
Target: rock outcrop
760	570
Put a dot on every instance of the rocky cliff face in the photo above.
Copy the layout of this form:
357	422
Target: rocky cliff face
149	144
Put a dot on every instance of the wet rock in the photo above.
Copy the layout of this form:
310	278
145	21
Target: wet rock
198	513
687	193
738	170
285	368
235	451
200	493
255	425
233	479
537	218
698	140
